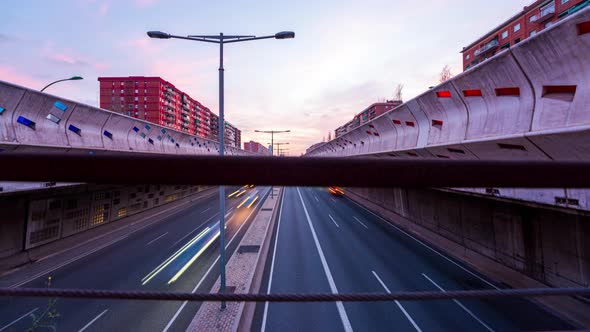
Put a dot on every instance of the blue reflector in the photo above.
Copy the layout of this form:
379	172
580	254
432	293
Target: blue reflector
108	134
172	140
75	129
2	110
168	135
159	138
147	127
151	141
163	131
61	106
177	145
26	122
135	129
91	152
142	135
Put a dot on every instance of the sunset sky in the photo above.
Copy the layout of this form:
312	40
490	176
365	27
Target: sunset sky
346	54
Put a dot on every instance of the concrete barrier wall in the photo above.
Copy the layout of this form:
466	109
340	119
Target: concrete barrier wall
530	102
33	121
543	244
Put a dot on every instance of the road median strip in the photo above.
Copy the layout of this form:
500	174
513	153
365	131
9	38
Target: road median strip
244	274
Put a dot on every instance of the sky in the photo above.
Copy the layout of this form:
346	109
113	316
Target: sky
346	54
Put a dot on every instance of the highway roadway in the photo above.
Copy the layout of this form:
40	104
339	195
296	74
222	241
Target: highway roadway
324	243
177	254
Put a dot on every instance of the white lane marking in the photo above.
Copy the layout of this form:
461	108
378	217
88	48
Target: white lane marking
94	320
66	262
339	305
334	221
156	239
207	209
206	274
427	246
397	302
108	244
272	265
316	198
360	222
461	305
16	320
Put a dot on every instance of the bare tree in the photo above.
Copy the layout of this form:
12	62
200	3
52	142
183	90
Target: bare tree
445	74
329	136
397	93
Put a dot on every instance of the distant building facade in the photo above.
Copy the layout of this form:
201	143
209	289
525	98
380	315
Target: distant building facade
158	101
367	115
531	20
256	147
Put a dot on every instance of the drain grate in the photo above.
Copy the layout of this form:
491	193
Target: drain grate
248	248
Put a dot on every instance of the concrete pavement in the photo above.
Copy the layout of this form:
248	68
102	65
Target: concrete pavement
165	247
331	244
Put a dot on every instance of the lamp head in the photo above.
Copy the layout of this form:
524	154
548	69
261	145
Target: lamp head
76	78
158	34
285	35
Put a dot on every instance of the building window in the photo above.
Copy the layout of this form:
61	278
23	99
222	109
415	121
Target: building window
144	98
467	57
517	27
505	46
136	98
121	98
505	34
534	32
113	91
136	91
144	90
136	106
516	41
564	1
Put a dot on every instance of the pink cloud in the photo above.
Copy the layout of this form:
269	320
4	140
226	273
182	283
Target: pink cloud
145	3
103	8
12	76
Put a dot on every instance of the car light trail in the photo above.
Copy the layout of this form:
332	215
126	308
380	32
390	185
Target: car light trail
167	262
243	202
189	263
235	192
249	205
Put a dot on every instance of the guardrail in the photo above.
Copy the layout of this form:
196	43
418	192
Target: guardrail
527	103
35	121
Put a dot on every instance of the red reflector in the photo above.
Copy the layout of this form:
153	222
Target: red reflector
437	123
443	94
376	134
508	92
584	28
410	123
550	89
368	132
397	122
371	126
472	93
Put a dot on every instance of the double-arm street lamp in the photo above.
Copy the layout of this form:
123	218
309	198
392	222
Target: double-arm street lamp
272	135
73	78
278	146
221	39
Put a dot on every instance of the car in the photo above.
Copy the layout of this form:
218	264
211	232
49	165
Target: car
336	191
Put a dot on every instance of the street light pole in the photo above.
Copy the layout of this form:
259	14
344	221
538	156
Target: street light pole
272	135
73	78
221	39
221	131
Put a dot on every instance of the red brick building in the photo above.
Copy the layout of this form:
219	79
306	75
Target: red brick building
256	147
158	101
367	115
531	20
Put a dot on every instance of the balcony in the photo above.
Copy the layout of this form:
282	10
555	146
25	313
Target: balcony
487	47
545	13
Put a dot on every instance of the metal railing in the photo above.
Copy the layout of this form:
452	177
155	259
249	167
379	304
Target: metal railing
290	171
